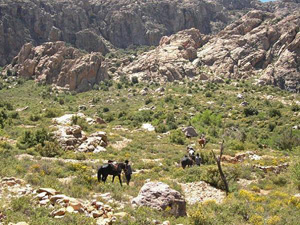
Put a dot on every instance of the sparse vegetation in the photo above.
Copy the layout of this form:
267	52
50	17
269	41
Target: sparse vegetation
257	128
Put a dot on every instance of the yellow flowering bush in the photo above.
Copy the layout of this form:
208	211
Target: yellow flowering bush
256	220
273	220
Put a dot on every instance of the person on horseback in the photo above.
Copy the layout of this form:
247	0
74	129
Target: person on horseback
128	171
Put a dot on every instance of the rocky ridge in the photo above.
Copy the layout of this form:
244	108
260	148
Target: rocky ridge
90	24
261	44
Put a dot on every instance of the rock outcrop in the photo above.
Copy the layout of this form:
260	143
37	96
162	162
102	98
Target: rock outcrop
86	24
200	191
71	137
173	59
57	63
260	43
159	196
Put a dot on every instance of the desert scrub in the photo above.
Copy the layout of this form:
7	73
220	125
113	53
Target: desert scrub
177	137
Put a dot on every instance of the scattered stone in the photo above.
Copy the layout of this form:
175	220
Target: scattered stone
49	191
275	169
22	109
244	103
59	212
148	127
239	96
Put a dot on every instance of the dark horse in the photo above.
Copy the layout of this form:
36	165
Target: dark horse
186	161
111	169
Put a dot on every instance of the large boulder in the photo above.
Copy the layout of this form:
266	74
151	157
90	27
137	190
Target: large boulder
159	196
190	132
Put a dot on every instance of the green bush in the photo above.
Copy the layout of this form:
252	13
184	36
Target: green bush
177	137
3	118
134	80
34	117
51	113
31	138
250	111
49	149
288	140
274	112
161	128
76	120
296	174
14	115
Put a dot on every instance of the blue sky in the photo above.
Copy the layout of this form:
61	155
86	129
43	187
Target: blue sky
267	0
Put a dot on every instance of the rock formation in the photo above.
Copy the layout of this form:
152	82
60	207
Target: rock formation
56	62
172	60
261	44
159	196
86	24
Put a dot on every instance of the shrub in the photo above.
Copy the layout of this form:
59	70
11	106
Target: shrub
30	139
51	113
148	101
271	126
295	107
76	120
177	137
208	94
134	80
14	115
274	112
105	109
161	128
250	111
3	118
287	141
34	117
50	149
296	174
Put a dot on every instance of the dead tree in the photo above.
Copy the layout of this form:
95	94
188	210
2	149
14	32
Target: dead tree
218	160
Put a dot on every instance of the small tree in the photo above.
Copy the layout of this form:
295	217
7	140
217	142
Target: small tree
218	160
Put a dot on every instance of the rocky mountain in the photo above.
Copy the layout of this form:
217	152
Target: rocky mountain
262	44
89	24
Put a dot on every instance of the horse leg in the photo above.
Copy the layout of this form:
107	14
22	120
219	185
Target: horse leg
113	178
104	178
120	179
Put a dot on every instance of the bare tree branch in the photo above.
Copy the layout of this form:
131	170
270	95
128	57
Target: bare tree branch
218	160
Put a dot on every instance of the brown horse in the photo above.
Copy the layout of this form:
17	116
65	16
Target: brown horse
202	142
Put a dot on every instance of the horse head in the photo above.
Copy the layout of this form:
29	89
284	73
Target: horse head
121	166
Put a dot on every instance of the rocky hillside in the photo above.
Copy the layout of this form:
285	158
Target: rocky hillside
88	24
262	44
57	63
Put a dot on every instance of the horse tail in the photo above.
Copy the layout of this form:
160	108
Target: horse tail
99	174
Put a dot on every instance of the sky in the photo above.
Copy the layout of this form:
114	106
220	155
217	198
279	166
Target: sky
267	0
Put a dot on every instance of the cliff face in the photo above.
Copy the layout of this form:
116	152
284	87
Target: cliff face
86	24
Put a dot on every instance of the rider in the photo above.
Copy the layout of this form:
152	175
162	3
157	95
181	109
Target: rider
128	171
